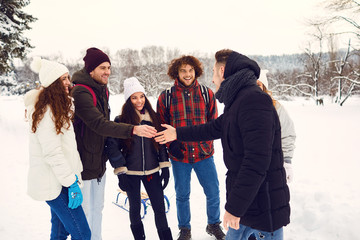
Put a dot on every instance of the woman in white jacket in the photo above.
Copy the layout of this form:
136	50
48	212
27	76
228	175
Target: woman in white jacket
55	166
288	134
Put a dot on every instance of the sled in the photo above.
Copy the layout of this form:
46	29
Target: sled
123	203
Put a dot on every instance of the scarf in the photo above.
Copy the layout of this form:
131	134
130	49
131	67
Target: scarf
233	84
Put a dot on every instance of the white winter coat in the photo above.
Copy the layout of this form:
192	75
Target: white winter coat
288	134
54	159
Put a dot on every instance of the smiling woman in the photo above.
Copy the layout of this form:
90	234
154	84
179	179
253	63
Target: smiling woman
140	160
55	167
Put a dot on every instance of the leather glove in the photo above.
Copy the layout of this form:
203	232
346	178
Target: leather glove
164	176
75	195
175	149
124	182
289	172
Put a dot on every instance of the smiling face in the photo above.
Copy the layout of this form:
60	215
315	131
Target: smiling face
65	79
186	74
138	100
101	73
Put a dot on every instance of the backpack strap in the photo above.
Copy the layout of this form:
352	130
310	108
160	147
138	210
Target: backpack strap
92	92
168	96
205	94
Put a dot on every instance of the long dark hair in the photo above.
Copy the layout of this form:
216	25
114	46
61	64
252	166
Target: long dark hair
60	104
129	115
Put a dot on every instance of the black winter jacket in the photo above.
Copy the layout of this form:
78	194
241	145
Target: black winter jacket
92	125
250	134
251	138
142	159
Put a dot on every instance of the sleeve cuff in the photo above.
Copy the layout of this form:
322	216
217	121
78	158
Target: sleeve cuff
120	170
165	164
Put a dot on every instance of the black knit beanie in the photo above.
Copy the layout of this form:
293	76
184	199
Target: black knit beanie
93	58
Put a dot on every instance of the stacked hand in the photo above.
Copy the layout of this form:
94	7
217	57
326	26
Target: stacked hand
165	175
175	149
75	195
144	131
167	135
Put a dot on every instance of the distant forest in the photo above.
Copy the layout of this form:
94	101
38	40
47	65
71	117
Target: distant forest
312	75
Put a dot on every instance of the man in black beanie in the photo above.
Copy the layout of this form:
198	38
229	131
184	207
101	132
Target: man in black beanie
92	126
257	197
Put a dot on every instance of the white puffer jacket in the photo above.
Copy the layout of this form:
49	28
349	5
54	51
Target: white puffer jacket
54	159
288	134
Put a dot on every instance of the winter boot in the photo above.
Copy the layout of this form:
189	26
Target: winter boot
138	231
216	231
184	234
165	234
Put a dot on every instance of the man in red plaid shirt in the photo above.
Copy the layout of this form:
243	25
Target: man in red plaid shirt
187	106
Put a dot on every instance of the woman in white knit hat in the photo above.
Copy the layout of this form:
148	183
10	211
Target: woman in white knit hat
55	168
288	134
140	159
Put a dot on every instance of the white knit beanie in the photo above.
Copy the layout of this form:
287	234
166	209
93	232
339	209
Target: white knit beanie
48	71
263	78
131	86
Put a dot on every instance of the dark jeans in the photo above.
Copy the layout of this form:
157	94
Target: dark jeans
65	221
153	188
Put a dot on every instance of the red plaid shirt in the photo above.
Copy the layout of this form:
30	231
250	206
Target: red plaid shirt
187	108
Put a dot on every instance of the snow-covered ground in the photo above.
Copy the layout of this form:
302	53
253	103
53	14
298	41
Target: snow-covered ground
325	193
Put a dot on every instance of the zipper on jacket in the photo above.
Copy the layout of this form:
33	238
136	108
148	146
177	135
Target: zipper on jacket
143	153
184	104
269	202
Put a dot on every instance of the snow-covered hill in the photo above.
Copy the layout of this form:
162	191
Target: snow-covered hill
325	195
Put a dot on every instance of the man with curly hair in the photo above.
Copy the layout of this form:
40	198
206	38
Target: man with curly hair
257	196
187	107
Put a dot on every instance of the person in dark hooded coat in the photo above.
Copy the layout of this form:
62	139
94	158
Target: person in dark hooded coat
257	196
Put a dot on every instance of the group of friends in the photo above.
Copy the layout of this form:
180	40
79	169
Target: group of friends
72	137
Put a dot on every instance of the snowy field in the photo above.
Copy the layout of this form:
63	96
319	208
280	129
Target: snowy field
325	193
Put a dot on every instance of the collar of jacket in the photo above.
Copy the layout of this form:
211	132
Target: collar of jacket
145	116
181	86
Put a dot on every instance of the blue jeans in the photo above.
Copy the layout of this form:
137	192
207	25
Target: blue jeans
65	221
244	232
93	205
206	173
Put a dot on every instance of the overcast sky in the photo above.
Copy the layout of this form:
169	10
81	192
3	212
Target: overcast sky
250	27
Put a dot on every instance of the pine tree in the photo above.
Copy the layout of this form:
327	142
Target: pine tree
13	22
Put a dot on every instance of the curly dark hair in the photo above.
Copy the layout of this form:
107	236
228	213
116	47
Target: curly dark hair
175	64
222	56
60	104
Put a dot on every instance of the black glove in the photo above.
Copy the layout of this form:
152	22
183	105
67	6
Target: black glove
165	175
124	182
175	149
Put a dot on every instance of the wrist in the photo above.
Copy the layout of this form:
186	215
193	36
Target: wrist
133	131
76	181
